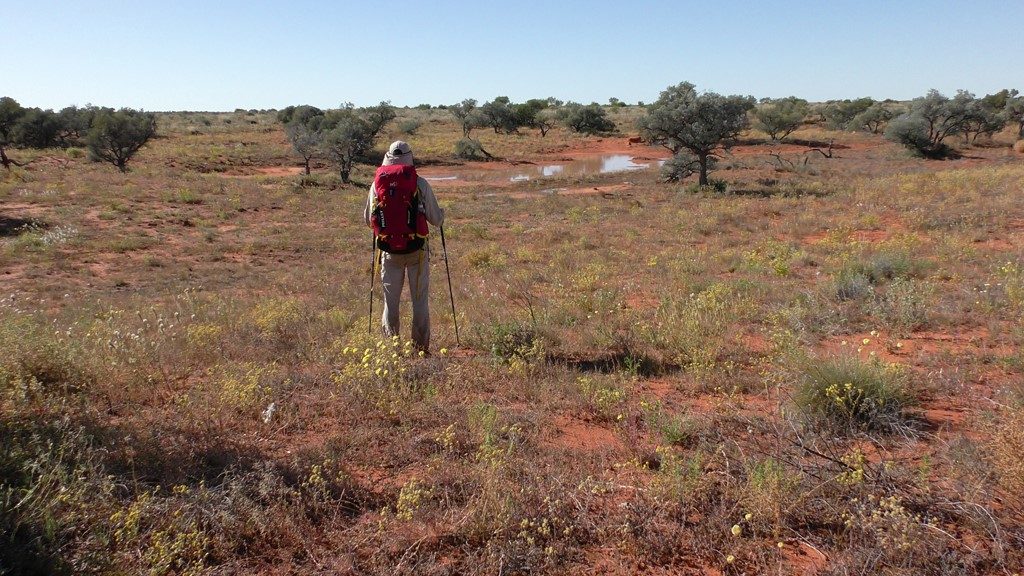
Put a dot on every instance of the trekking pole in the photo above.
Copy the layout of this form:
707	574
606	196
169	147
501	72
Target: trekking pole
451	296
373	272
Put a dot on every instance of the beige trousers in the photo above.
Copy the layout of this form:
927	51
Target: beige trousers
393	270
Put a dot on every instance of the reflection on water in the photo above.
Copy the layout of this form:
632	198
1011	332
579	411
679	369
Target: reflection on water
620	163
603	164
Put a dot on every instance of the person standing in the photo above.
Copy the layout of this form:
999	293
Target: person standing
398	208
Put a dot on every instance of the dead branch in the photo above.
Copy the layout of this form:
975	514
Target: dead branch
781	162
822	152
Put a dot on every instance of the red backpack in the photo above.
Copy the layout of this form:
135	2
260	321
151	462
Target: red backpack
397	222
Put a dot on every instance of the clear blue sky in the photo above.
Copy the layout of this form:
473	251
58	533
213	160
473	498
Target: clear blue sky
222	55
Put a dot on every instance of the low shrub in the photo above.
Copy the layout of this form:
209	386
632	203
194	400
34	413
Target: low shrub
469	149
886	266
515	342
486	259
904	305
856	278
851	285
409	127
54	497
35	359
847	393
603	395
714	186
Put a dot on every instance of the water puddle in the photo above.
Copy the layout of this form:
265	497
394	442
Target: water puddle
602	164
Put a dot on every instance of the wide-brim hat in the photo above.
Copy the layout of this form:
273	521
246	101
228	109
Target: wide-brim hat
398	153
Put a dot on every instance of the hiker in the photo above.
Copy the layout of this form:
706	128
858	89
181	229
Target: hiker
398	208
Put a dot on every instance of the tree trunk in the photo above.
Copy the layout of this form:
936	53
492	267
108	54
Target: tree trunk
344	173
307	166
703	159
4	159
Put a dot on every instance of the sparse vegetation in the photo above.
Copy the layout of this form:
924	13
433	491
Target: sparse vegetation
809	367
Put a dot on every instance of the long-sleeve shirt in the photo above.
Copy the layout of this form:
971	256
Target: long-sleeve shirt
428	203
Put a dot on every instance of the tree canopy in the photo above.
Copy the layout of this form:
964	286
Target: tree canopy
116	136
699	124
779	118
931	119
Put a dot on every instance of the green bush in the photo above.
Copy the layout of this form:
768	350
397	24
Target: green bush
409	127
839	113
714	186
931	119
116	136
510	341
53	501
851	285
779	118
681	166
590	119
912	133
848	393
469	149
37	359
876	269
872	119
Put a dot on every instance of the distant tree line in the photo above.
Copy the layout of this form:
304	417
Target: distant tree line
698	127
695	126
110	135
505	117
